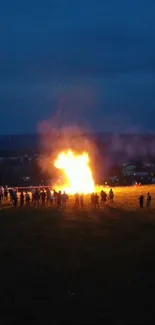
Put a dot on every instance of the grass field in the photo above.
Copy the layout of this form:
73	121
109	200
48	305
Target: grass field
79	267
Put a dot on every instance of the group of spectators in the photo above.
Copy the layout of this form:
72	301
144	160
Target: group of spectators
48	198
142	200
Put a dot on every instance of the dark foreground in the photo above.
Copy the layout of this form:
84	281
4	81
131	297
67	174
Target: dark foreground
77	268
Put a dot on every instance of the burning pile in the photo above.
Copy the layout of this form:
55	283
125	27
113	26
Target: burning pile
77	171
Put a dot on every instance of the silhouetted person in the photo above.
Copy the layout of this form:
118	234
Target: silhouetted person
96	200
82	201
64	200
43	198
33	196
148	201
77	200
11	195
141	201
92	202
5	193
21	199
27	199
1	193
103	197
111	196
55	194
15	198
59	198
36	198
49	197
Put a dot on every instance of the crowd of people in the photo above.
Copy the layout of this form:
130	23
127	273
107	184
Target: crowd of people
47	198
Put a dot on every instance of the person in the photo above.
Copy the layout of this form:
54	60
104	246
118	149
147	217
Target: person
64	200
92	200
111	196
11	195
6	192
43	198
36	198
55	194
33	196
21	199
103	197
49	197
1	193
77	200
59	199
15	198
82	201
96	200
148	201
27	199
141	201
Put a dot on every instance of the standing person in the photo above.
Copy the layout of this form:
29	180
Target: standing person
36	198
141	201
43	198
96	200
21	199
11	195
51	198
48	195
64	200
27	199
6	192
148	201
103	197
33	196
92	200
55	194
82	201
59	199
77	200
15	198
1	193
111	196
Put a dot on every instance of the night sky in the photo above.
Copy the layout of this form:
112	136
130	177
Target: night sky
77	61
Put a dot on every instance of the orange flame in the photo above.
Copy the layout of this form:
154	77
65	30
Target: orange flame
77	171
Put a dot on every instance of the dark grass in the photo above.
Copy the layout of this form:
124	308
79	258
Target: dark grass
77	267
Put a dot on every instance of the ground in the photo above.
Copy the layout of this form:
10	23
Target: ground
78	267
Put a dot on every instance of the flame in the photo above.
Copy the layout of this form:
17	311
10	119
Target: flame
77	171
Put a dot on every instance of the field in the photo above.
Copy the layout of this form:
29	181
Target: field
79	267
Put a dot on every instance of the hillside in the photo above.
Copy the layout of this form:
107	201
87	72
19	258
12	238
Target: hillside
122	144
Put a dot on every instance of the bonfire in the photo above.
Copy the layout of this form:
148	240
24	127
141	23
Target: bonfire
78	174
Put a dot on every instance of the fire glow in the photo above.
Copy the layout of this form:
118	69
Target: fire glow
77	171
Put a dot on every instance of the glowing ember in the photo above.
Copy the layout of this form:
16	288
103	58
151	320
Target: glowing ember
77	171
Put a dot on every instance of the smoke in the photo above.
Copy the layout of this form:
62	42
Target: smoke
68	127
127	141
131	146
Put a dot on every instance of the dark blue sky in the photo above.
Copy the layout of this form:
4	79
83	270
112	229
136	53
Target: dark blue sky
87	61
